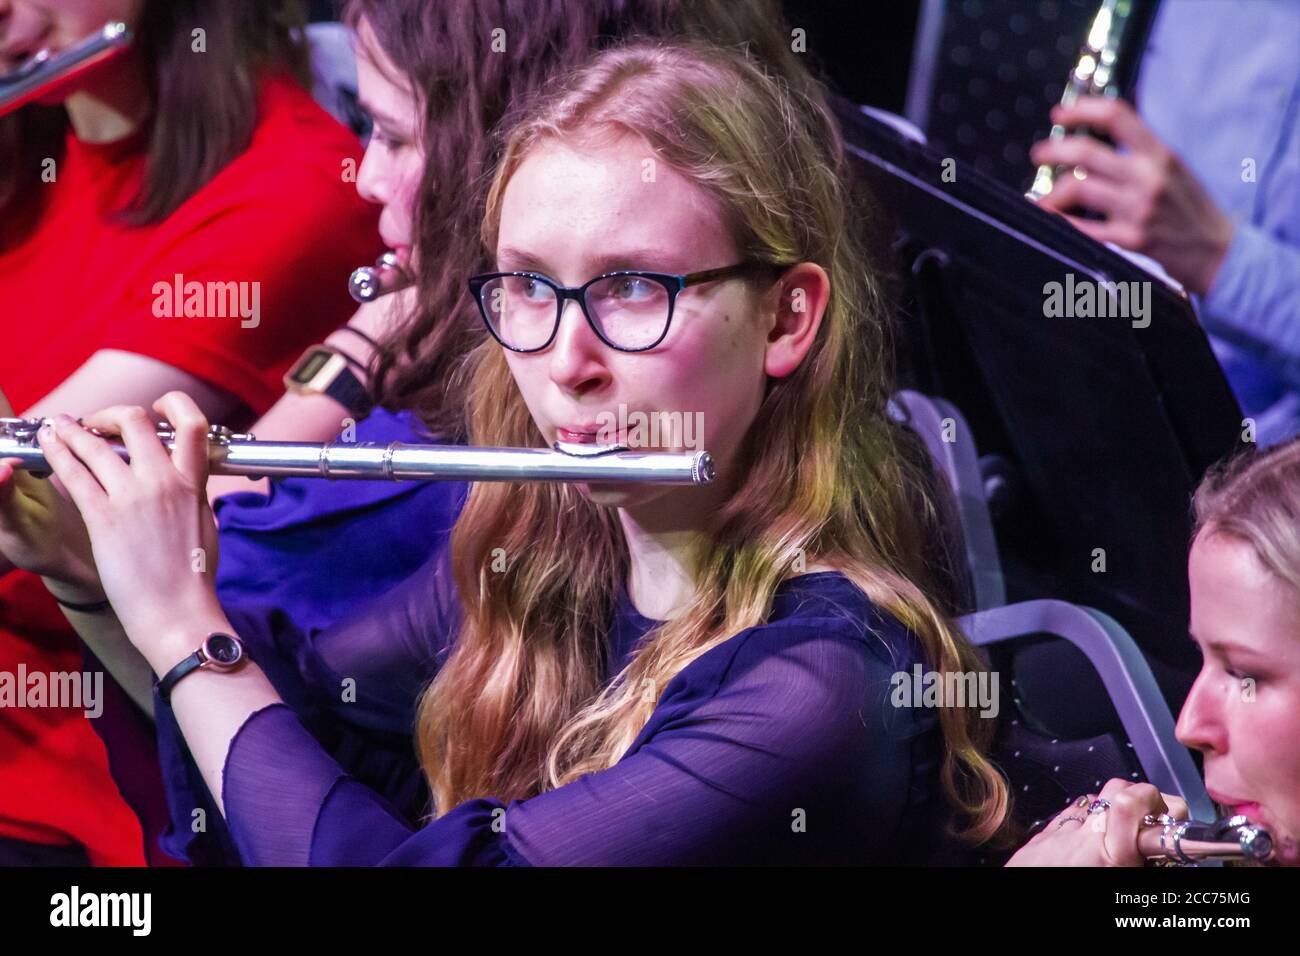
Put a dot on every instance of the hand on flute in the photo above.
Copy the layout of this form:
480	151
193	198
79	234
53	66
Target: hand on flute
151	531
42	532
1099	830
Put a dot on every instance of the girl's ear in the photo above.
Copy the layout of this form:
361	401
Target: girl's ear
801	294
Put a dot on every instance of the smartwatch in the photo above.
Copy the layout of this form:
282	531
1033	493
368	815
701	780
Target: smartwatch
222	651
323	370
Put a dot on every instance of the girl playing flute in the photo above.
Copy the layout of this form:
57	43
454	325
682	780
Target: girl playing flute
1243	712
616	674
311	551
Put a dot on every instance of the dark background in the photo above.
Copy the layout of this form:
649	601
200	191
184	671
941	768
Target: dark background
864	45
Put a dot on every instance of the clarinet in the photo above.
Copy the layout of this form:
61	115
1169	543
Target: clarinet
230	453
1119	27
370	282
44	72
1187	842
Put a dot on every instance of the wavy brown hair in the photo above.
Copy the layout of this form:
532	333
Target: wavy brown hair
519	706
203	107
468	88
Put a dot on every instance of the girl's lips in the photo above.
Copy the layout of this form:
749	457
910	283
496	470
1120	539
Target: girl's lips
20	53
400	250
595	436
1236	807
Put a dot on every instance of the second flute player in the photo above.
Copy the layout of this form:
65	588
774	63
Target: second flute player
1243	712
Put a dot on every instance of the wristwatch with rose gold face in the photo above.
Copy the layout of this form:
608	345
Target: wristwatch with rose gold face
221	651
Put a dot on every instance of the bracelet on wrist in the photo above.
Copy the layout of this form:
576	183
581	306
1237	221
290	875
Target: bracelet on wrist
89	607
351	360
359	334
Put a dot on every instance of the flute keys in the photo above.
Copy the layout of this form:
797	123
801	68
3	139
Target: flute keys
1160	820
20	429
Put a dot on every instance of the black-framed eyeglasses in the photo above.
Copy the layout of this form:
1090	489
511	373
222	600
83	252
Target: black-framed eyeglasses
630	311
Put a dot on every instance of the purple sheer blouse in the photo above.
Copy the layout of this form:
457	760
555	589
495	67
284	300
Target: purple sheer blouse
779	745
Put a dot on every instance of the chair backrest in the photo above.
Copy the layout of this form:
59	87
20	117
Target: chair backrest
951	445
1129	683
334	74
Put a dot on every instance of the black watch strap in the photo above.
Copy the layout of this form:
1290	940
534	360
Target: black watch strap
348	391
173	676
223	651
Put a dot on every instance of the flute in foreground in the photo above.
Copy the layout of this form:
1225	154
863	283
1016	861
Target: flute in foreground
45	72
1190	842
234	454
370	282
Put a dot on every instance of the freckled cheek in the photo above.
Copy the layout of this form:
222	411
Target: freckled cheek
689	369
664	386
712	364
728	368
530	378
721	409
728	343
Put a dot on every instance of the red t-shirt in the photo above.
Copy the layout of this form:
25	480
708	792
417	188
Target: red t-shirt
284	224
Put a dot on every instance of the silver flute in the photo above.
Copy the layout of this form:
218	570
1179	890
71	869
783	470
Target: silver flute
235	454
1189	842
45	71
370	282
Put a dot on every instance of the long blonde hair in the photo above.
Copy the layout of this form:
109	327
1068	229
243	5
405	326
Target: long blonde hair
1256	497
518	707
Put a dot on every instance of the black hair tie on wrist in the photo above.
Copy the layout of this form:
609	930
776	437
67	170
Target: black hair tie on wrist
361	335
94	607
347	358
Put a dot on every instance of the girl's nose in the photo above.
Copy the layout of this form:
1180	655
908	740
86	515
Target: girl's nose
577	355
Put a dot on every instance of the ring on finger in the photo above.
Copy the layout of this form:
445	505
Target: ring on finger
1100	805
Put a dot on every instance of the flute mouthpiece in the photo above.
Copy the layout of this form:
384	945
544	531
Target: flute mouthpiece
587	449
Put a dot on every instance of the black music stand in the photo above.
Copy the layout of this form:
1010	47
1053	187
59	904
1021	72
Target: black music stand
1097	432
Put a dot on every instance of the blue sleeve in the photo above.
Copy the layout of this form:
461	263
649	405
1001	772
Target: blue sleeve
780	745
369	668
353	685
1255	300
319	549
290	804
